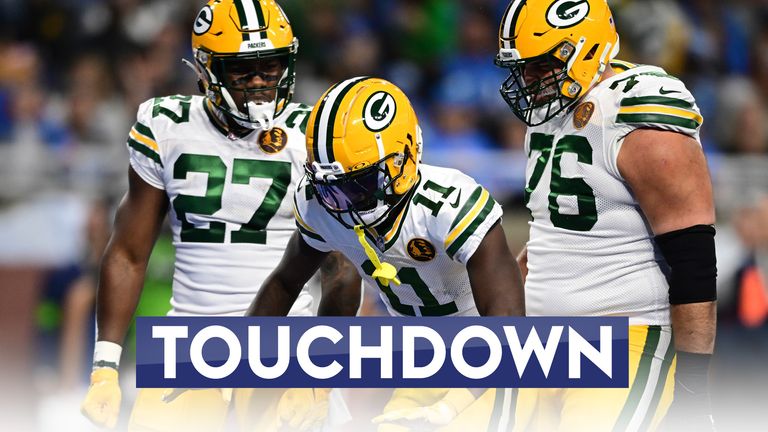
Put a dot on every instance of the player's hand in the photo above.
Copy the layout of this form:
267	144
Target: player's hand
102	402
691	409
439	413
303	409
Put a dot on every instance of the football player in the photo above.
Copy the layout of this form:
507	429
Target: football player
427	238
622	213
225	167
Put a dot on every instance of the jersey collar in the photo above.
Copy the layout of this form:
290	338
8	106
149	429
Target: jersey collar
392	226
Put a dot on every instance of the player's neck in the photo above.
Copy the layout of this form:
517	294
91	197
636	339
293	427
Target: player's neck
225	124
607	73
391	219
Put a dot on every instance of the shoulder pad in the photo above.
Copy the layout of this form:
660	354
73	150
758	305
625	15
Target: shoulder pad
651	98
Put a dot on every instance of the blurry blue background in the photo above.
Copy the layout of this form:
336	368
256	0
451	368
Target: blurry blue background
73	72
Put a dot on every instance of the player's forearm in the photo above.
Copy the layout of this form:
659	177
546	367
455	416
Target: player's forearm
275	298
501	292
522	262
336	306
694	327
340	285
121	281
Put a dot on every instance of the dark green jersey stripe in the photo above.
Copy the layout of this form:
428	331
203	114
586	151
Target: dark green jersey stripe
641	379
309	233
469	204
146	151
144	130
334	112
659	119
241	16
468	231
656	100
659	390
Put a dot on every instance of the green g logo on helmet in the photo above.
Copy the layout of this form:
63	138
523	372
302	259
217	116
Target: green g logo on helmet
379	111
567	13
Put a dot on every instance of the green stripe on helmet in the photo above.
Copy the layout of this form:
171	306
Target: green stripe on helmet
260	16
241	16
316	128
334	112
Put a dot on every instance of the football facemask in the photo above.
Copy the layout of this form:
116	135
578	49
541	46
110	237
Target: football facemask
253	105
536	88
363	197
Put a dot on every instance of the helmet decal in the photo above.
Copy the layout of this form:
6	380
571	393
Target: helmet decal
203	21
363	147
567	13
379	111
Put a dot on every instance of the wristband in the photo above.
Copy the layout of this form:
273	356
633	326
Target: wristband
692	371
106	354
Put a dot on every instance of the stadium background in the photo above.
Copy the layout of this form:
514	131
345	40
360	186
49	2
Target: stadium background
72	73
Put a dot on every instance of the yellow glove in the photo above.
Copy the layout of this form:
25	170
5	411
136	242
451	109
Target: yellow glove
303	409
439	413
171	395
102	403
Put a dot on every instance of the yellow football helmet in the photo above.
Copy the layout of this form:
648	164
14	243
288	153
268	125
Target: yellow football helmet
239	37
556	50
363	150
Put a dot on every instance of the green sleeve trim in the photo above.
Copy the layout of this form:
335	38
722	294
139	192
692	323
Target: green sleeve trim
467	233
309	233
658	119
467	207
144	130
656	100
146	151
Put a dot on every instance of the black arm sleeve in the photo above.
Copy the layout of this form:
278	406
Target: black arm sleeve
690	253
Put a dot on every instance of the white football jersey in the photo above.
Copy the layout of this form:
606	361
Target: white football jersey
231	206
591	250
429	242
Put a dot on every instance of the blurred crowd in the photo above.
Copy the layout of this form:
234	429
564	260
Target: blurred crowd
73	73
